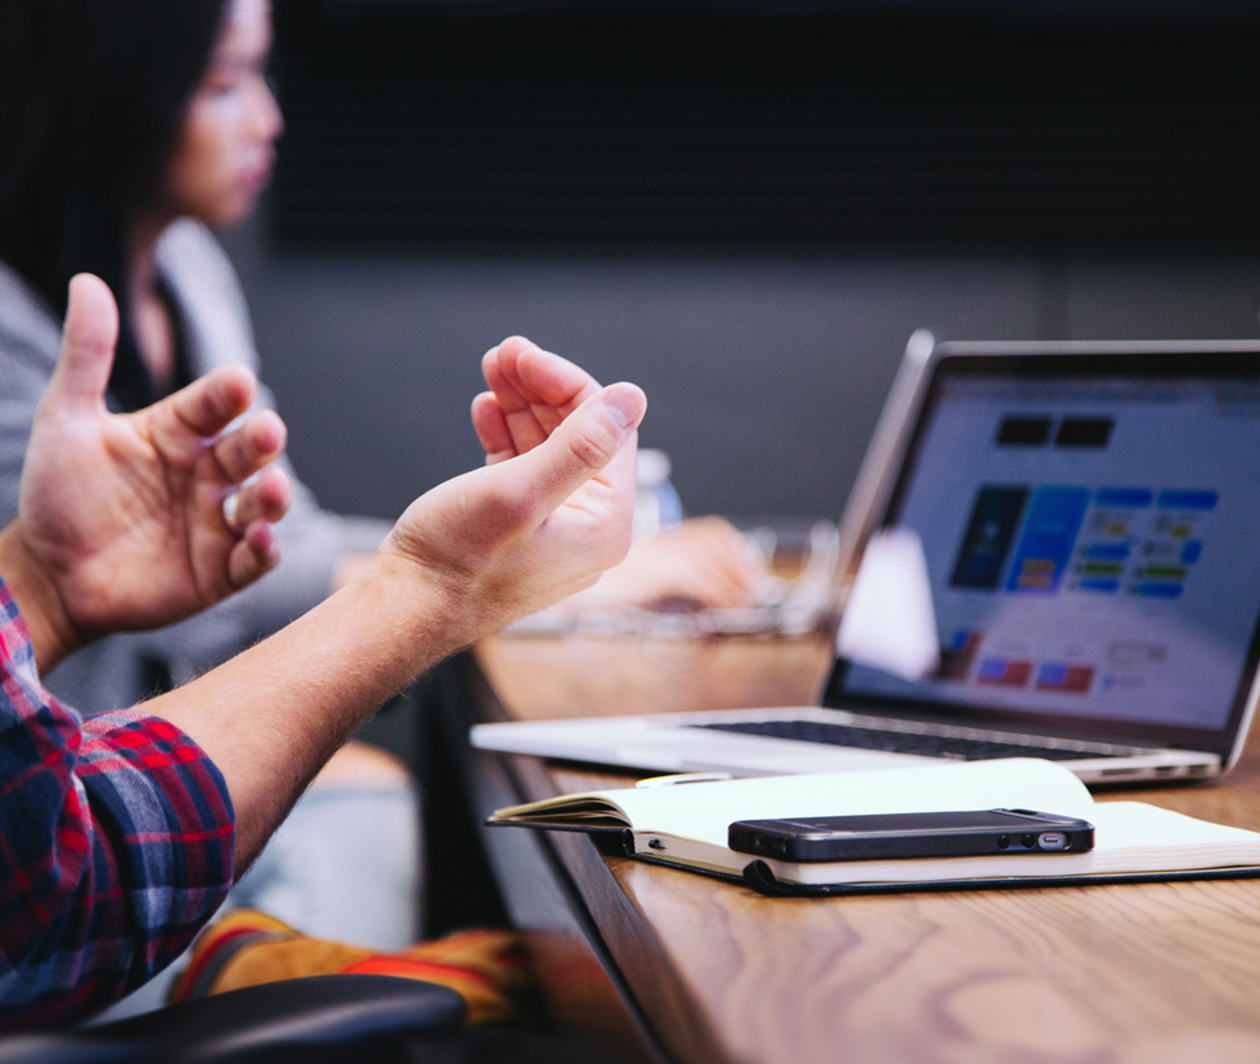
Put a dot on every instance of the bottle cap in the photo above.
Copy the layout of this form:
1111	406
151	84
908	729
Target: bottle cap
653	467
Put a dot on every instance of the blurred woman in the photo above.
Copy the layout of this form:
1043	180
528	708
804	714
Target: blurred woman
133	125
130	128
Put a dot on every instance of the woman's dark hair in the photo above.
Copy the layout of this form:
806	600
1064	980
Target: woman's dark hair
91	100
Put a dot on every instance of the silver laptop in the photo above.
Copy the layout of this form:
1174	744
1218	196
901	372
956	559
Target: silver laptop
1086	519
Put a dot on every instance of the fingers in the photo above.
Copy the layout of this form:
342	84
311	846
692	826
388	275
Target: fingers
527	420
87	345
491	428
519	534
520	373
255	509
704	563
257	552
261	502
211	403
714	586
717	547
583	445
705	583
547	378
246	449
535	389
266	499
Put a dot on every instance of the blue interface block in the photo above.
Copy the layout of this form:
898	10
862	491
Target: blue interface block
1054	518
1051	674
1126	498
1159	589
1103	586
991	669
1187	500
1110	552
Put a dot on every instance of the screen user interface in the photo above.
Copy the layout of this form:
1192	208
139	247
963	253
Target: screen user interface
1091	542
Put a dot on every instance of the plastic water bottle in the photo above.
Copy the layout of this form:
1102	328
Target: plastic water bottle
656	502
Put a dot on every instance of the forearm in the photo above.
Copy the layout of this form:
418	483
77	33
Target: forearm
311	550
270	717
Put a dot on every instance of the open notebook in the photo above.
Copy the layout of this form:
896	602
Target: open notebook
685	825
1053	553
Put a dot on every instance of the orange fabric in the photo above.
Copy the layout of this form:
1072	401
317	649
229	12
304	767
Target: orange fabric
486	967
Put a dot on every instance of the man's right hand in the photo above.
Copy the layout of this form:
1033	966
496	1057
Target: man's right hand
552	509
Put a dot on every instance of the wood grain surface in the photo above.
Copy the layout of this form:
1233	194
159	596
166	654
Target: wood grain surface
1098	974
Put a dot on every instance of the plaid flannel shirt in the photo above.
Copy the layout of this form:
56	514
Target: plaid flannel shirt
116	845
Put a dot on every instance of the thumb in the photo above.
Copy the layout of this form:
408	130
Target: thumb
87	343
581	446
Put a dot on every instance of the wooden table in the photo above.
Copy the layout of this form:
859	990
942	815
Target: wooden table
709	971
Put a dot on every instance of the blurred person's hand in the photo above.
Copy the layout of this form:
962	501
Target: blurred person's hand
702	563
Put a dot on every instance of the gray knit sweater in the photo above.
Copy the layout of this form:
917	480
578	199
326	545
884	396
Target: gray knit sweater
215	326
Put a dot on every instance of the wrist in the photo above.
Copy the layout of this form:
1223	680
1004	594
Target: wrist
436	608
53	634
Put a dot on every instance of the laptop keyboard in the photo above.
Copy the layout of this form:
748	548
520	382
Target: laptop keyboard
907	742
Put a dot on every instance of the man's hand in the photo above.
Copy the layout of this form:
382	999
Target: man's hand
702	563
552	508
545	517
121	518
531	392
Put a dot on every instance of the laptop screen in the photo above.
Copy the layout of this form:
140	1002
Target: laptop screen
1091	527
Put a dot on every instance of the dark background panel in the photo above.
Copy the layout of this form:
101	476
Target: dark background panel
815	126
747	207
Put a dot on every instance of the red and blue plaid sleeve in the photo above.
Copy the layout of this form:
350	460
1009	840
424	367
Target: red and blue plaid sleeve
116	845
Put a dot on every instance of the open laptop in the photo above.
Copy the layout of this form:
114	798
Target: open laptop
1089	522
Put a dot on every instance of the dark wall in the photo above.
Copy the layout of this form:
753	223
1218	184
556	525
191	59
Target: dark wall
756	230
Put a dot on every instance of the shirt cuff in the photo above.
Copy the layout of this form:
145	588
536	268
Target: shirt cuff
167	814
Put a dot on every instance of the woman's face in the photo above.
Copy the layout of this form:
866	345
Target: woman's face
225	149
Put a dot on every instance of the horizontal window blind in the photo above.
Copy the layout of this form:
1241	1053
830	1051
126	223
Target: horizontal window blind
409	125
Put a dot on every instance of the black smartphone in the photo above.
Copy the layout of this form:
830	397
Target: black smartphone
963	833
